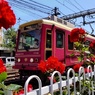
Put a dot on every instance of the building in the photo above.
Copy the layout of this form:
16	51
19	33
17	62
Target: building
3	50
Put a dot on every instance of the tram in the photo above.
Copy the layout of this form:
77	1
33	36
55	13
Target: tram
39	39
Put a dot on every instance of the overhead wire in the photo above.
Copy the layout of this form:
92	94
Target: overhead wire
73	22
72	4
41	4
86	19
30	6
24	9
65	6
78	4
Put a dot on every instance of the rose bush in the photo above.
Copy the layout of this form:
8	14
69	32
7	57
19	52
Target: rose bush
86	53
50	65
3	76
3	73
7	16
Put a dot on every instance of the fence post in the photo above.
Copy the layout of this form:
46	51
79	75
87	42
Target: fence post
92	87
81	71
27	82
94	72
68	87
89	72
51	81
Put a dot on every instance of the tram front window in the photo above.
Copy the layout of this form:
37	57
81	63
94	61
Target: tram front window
29	40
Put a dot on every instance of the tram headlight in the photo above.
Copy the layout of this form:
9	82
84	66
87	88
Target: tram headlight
36	59
31	59
18	60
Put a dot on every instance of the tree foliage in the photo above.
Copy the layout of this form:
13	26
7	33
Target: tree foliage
9	38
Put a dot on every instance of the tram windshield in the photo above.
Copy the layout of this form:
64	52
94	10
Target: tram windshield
29	40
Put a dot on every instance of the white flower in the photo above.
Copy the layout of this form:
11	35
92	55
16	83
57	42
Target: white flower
49	94
78	93
87	60
87	52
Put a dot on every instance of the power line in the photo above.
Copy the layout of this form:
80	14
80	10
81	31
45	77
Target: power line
72	4
24	9
36	4
78	4
41	4
79	14
65	6
30	6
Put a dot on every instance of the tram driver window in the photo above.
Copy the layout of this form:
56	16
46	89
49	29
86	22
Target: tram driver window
70	44
59	40
48	41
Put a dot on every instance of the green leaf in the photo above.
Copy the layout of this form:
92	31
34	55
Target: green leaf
1	92
79	59
3	76
14	87
2	86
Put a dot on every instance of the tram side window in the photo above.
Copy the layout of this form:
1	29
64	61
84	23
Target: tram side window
48	40
59	39
70	44
87	43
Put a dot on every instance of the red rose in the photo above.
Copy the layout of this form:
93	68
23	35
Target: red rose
30	88
93	59
1	62
81	31
87	70
2	67
54	80
76	67
42	66
60	67
77	34
51	63
92	44
74	35
7	17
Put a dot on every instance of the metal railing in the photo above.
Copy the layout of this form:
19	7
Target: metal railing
64	83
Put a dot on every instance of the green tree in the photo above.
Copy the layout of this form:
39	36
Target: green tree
9	38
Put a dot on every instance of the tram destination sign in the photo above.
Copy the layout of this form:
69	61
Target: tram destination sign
35	26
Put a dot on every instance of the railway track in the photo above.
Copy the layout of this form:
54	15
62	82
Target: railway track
14	78
13	74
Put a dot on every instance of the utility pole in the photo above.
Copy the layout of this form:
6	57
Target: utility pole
55	10
19	19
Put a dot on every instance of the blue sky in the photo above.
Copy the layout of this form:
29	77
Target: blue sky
65	6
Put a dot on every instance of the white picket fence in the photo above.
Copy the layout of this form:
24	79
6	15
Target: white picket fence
62	83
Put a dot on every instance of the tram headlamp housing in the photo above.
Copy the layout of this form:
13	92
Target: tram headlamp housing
31	59
36	60
18	60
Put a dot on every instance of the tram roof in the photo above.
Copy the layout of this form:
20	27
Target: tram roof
62	24
69	26
90	36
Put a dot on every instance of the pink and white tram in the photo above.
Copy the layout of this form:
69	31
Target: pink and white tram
39	39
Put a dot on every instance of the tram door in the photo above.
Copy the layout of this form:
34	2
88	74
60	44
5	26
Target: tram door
48	43
59	45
